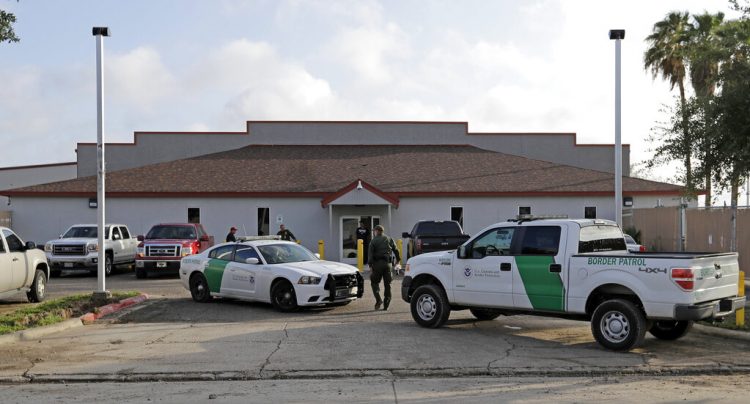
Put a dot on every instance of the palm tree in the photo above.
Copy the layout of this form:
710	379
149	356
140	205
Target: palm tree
704	55
667	55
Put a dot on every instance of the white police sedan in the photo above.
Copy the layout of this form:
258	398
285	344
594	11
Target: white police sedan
282	273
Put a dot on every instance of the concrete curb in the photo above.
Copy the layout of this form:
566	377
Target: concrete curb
34	333
722	332
88	318
400	373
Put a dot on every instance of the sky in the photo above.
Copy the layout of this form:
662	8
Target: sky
501	66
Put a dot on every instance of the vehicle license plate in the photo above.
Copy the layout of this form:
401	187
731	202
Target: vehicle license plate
68	265
161	264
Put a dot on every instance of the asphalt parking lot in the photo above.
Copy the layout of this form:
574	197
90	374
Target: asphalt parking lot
359	354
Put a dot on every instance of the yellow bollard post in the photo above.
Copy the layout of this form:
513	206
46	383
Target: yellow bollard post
298	242
400	246
740	314
321	249
360	255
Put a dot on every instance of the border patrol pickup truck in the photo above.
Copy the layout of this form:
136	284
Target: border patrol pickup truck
574	268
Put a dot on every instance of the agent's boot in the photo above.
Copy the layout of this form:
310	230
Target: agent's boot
377	305
386	303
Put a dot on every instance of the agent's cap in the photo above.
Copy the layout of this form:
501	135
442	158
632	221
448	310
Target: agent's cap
232	228
379	227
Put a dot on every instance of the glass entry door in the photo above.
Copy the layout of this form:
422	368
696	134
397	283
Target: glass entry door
349	225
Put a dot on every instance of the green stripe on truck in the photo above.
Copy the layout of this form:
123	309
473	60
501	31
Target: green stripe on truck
544	288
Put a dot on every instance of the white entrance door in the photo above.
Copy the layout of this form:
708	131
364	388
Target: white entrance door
348	232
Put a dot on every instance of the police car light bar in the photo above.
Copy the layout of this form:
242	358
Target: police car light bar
256	238
527	218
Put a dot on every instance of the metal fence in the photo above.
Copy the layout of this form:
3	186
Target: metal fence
707	230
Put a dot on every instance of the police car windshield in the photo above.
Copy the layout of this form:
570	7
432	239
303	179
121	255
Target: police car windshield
285	253
83	232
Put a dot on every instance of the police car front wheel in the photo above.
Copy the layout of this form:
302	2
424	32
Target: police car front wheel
429	306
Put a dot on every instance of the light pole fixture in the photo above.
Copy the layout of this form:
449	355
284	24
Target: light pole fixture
618	35
101	291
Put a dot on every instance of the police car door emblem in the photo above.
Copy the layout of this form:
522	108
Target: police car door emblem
467	272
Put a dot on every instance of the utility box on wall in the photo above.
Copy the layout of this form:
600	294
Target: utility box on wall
5	216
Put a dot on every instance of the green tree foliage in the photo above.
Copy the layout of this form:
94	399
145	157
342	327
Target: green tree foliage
667	56
6	27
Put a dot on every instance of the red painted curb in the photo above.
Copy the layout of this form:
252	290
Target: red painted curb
89	318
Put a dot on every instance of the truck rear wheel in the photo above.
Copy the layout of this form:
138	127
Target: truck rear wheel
618	325
485	314
670	329
38	290
429	306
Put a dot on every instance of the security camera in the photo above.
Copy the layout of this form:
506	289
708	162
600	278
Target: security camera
359	185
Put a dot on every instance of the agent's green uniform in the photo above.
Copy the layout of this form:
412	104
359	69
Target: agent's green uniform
379	255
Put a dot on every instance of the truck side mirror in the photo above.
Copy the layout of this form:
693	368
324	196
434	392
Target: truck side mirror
462	252
30	245
405	235
205	238
116	237
140	237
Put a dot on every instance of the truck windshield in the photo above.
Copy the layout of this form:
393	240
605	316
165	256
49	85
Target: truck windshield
601	238
438	229
83	232
285	253
172	232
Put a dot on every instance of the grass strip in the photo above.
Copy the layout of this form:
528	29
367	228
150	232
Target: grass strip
54	311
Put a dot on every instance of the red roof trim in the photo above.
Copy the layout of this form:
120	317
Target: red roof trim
345	190
72	163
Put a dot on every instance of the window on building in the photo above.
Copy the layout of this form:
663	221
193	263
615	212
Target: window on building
194	215
524	210
457	214
263	221
589	212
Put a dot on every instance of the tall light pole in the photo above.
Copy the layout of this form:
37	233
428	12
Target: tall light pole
100	33
618	35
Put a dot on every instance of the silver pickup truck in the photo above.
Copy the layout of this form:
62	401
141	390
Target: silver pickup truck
23	267
78	248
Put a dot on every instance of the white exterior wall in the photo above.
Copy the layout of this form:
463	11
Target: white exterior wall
43	219
24	176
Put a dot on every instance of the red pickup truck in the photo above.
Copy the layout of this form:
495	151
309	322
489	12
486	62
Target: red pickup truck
165	244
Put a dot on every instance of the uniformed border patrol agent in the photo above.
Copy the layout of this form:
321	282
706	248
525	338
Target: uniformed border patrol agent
379	256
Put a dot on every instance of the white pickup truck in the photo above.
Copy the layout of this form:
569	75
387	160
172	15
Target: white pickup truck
23	267
577	269
78	248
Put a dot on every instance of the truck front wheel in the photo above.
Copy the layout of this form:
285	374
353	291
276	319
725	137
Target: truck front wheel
429	306
38	290
670	330
618	325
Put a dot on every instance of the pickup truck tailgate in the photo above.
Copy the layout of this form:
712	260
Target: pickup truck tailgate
715	276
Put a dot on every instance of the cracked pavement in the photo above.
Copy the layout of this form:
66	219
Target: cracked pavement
175	339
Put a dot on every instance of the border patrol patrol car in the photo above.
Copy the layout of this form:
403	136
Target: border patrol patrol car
282	273
577	269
